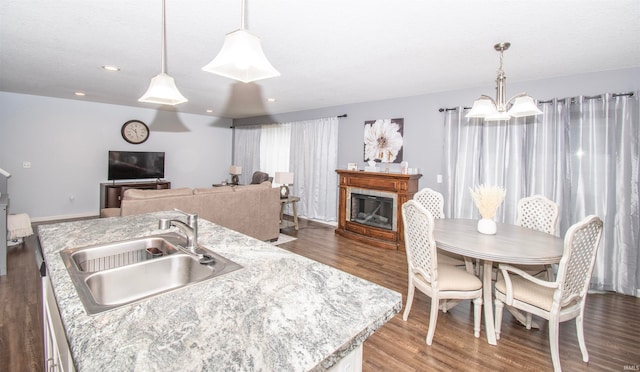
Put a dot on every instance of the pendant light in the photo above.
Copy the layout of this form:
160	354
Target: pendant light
162	89
489	109
241	57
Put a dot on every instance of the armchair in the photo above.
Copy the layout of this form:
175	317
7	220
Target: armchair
559	300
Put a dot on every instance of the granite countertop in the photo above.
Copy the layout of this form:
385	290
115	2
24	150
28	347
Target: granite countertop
280	312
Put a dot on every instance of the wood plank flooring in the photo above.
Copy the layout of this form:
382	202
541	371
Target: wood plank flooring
612	325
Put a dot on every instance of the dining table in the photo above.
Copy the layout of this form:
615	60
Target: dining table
511	244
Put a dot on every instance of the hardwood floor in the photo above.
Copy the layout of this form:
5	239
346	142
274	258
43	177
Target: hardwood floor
612	326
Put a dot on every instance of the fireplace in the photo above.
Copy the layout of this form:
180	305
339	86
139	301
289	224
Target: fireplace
373	208
369	207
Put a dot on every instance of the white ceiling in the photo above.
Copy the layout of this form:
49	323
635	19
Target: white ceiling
329	52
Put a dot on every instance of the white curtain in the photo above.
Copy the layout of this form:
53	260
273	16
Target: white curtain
583	153
314	158
308	148
274	148
246	150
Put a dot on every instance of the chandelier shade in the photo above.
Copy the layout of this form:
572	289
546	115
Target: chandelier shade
241	57
489	109
162	89
524	106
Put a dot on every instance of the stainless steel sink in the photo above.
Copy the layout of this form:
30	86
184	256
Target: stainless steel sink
111	275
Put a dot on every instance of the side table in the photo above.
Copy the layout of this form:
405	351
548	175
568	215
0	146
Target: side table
293	200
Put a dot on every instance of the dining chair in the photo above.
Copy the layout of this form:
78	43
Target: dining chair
438	281
538	213
559	300
434	203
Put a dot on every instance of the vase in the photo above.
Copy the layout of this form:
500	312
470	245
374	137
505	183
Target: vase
487	226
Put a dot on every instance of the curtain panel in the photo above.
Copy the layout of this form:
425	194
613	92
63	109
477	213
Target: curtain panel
583	153
307	148
314	159
246	150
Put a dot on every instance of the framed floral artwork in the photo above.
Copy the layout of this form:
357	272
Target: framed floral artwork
383	140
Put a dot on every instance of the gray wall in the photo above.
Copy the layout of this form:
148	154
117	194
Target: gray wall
67	141
423	123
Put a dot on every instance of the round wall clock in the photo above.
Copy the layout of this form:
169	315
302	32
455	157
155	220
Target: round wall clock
135	131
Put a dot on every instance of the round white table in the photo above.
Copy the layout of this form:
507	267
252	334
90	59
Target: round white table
511	244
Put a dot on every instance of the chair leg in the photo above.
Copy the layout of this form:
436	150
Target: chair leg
468	264
477	314
433	319
528	322
550	274
554	326
498	320
580	329
407	306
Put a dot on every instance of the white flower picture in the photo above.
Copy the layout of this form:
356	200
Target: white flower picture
383	140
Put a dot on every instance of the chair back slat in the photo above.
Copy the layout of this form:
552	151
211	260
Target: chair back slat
575	268
538	213
431	200
419	242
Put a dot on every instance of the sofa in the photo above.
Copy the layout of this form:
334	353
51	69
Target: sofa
253	210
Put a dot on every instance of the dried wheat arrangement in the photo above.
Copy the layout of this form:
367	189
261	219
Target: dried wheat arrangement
488	199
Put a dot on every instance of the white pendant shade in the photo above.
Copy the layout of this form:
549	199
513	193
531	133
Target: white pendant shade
497	116
481	108
241	58
162	90
524	106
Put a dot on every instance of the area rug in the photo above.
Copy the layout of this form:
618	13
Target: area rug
283	239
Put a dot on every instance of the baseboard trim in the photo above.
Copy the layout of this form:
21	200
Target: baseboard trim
64	217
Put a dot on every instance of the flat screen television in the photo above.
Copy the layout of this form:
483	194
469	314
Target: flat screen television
133	165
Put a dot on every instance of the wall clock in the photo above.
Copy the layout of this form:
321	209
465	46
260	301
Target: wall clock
135	131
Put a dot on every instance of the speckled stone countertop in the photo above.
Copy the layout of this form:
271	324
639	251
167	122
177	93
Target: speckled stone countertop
280	312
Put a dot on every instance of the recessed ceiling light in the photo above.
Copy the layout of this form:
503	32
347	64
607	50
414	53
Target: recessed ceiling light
111	68
79	94
271	100
209	111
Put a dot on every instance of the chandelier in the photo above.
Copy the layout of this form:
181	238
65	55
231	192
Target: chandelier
489	109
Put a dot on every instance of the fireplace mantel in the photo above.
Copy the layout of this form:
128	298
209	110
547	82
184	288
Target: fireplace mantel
404	186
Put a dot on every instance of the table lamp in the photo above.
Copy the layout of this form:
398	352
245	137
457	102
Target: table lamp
284	179
235	171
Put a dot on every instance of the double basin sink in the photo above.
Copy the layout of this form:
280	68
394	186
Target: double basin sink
110	275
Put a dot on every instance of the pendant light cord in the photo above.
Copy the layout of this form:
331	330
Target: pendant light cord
164	39
243	15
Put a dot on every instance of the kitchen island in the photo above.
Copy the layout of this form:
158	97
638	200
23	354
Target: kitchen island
280	312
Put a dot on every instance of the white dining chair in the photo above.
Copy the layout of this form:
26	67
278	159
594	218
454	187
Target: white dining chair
434	203
538	213
438	281
559	300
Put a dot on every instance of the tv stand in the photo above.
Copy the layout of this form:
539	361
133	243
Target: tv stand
111	192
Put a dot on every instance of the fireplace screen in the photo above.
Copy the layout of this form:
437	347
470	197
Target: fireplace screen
376	211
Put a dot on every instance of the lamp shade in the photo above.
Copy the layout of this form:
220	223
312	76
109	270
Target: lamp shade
524	106
241	58
284	178
163	90
235	169
497	116
481	108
